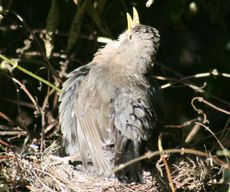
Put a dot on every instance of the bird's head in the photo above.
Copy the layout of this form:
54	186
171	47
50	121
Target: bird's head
135	48
139	43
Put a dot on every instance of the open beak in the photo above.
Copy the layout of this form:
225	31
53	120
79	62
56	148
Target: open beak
129	21
132	22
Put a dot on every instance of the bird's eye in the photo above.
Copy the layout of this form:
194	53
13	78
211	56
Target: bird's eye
130	36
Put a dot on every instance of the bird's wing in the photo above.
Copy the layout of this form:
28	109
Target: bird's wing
134	115
95	128
96	140
134	120
67	117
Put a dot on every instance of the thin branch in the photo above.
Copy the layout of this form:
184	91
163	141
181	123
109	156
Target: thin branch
182	151
185	124
213	73
192	133
201	99
23	87
168	172
199	111
14	64
6	117
213	134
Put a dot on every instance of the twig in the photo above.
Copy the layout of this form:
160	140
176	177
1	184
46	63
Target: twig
51	176
18	133
199	111
168	172
36	40
42	130
43	117
213	134
23	87
149	3
5	117
5	144
213	73
192	133
185	124
21	103
182	151
14	64
201	99
7	157
226	128
49	127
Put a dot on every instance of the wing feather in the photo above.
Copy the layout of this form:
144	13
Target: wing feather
134	115
68	119
93	109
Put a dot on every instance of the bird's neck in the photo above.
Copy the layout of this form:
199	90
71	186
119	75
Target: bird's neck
109	57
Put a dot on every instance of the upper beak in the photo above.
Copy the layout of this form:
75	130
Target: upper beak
133	22
129	21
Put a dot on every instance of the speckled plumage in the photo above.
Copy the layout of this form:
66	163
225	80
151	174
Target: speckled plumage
109	108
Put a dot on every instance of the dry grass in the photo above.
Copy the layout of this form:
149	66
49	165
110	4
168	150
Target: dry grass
48	172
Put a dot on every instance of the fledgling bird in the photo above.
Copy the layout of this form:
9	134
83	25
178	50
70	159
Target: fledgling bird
109	108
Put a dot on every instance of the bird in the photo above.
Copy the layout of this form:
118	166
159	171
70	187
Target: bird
109	108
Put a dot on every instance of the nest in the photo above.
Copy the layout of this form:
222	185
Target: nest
47	171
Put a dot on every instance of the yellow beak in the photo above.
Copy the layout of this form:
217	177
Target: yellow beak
132	22
129	21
